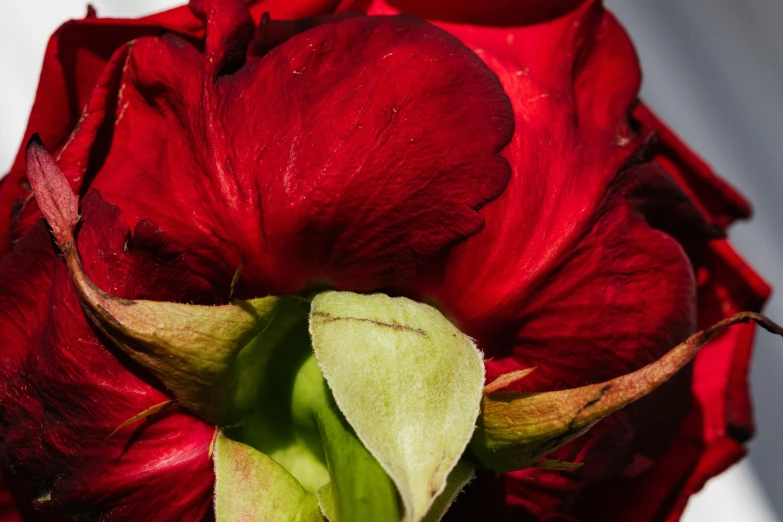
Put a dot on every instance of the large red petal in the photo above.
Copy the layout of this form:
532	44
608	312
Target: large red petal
567	254
622	296
572	138
74	67
262	171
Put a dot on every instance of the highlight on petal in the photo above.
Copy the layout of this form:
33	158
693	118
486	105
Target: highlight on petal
192	349
69	390
408	382
251	486
517	429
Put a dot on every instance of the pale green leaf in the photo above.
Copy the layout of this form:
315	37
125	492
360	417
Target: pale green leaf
282	424
360	489
249	486
408	382
209	357
458	478
326	502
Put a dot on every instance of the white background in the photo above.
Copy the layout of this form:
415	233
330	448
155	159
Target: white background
713	70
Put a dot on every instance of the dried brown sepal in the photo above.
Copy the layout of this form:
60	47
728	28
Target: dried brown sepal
515	430
149	412
507	379
557	465
191	349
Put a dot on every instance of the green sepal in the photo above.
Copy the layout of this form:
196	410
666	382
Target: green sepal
359	489
326	502
282	424
251	486
515	430
407	381
462	473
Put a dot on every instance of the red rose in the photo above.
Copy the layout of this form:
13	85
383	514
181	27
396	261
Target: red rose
493	161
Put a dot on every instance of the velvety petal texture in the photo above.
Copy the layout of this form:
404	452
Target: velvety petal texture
302	198
65	391
588	269
247	144
491	159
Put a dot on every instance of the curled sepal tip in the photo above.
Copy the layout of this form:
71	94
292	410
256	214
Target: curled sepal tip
191	349
407	381
55	197
516	429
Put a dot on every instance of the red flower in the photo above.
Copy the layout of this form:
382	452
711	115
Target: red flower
495	161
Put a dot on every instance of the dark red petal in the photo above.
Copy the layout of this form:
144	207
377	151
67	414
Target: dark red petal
624	297
74	61
69	392
621	297
25	280
571	139
16	501
717	198
566	251
75	58
666	206
345	156
80	154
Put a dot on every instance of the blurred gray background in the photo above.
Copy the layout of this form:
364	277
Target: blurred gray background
713	70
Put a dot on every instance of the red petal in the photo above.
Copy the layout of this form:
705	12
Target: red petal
75	58
16	501
565	256
711	439
571	139
716	197
303	196
69	392
621	297
75	157
520	246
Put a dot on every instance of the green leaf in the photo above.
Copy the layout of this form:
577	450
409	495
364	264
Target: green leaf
406	380
251	486
458	478
209	357
515	430
360	489
327	503
282	424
